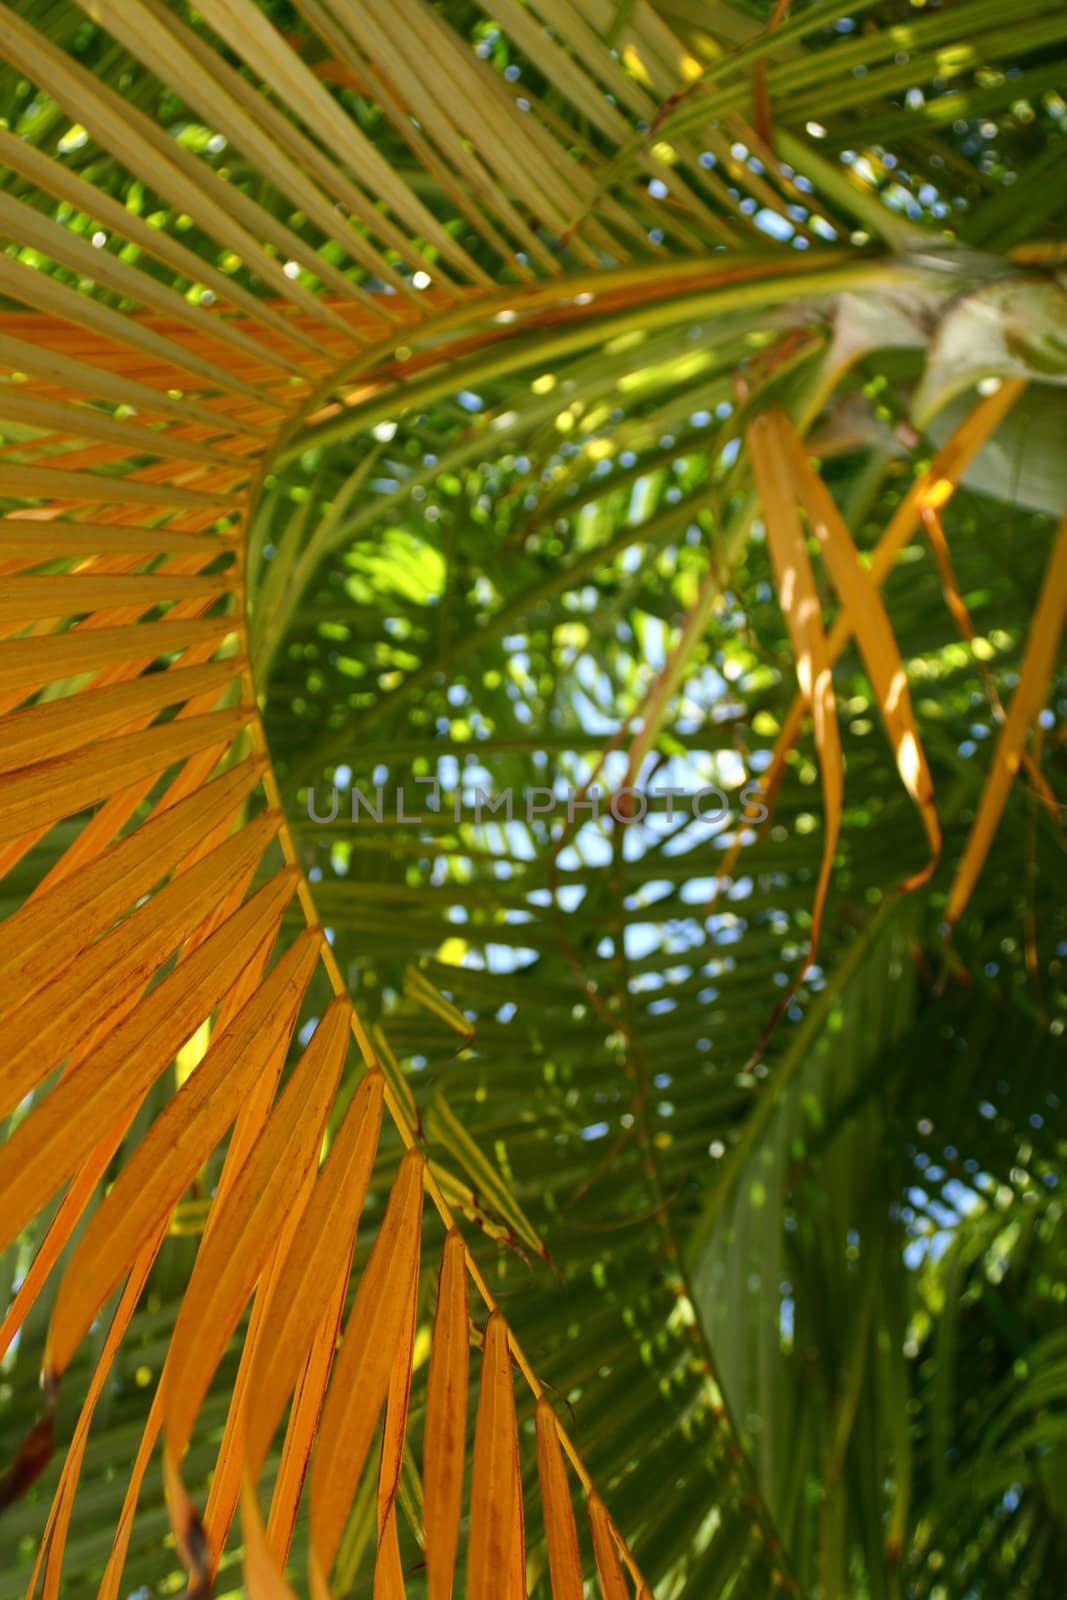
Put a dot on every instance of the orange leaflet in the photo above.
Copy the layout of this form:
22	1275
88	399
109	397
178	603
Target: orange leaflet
962	617
41	1033
517	1575
361	1371
116	811
176	1146
239	1241
76	1197
317	1257
304	1421
63	1502
70	594
74	1200
870	626
188	1529
109	1584
934	487
444	1446
564	1561
97	893
228	1472
262	1575
20	538
229	1463
55	727
1026	702
800	602
388	1573
56	789
255	1108
47	1146
608	1566
495	1476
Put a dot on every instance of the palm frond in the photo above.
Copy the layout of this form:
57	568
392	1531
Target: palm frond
281	282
